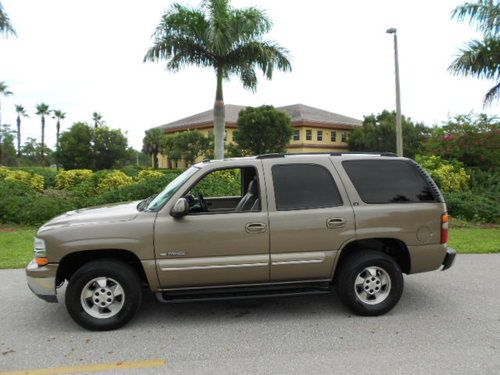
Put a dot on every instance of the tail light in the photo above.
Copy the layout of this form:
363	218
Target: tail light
444	227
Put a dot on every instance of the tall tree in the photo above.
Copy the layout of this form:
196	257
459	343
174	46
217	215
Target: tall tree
97	119
152	144
21	112
480	58
42	110
58	115
4	91
263	130
218	36
378	134
5	25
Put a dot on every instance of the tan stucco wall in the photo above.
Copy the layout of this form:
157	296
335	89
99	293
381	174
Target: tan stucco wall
302	145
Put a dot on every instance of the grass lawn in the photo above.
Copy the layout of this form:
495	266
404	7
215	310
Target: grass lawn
16	243
16	246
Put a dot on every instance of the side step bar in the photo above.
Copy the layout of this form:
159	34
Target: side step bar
234	293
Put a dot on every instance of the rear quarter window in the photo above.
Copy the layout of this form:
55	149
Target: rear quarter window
388	181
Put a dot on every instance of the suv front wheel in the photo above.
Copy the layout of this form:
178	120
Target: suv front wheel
103	295
369	283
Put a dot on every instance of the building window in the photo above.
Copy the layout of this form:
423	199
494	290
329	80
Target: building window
309	135
296	135
333	136
344	136
228	136
319	135
225	135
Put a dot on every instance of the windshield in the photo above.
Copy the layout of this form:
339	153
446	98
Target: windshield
171	189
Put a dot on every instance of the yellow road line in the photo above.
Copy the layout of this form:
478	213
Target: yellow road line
120	365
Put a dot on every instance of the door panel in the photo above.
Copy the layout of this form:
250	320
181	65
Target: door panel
212	249
304	242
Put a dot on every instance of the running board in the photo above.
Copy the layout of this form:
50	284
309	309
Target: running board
234	293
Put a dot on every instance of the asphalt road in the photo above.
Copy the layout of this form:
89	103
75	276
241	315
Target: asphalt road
446	323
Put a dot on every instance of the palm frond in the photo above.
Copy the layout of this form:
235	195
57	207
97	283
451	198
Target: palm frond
480	58
485	14
492	94
42	109
5	25
249	23
4	89
21	111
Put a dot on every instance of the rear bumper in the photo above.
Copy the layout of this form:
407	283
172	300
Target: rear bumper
42	281
449	258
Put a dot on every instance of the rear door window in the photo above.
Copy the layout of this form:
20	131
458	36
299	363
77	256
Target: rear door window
304	186
388	181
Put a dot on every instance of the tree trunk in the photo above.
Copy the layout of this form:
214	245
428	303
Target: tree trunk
155	160
18	136
42	156
219	118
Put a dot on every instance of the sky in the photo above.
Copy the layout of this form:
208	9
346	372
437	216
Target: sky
86	56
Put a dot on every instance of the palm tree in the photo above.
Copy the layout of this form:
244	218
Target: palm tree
480	58
21	112
4	91
42	110
222	38
59	115
97	118
5	25
152	143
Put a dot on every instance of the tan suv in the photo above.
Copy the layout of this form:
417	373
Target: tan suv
285	225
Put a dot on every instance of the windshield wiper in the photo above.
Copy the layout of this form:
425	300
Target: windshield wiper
142	205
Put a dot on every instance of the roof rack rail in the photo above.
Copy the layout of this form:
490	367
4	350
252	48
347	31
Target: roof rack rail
279	155
363	153
270	156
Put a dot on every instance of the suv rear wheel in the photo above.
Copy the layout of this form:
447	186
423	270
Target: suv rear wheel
369	283
103	295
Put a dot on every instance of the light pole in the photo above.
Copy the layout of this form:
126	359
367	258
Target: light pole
399	130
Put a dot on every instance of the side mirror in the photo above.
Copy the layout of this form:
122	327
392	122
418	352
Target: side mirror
181	208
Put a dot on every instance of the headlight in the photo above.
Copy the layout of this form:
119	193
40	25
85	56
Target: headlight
40	252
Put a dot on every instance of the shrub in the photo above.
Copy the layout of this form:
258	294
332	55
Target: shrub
49	174
114	180
34	180
4	171
473	206
449	175
68	180
147	174
136	191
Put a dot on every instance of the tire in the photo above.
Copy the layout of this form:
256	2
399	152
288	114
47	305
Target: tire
378	288
102	281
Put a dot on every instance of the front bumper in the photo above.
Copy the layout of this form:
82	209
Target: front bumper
449	258
42	280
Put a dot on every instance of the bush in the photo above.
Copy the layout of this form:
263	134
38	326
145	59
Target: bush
114	180
147	174
449	175
49	174
137	191
473	206
35	181
68	180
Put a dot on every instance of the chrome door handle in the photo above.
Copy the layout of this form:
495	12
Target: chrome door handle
335	222
255	227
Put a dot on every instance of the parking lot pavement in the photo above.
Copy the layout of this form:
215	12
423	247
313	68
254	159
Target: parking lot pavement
446	322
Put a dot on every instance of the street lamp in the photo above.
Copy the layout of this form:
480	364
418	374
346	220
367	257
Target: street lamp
399	131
